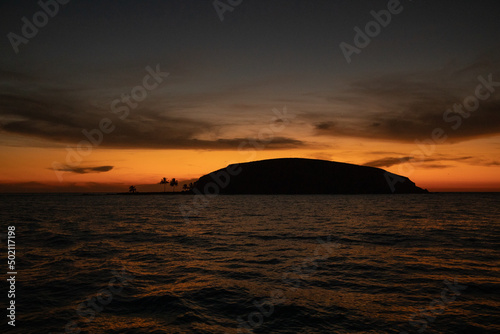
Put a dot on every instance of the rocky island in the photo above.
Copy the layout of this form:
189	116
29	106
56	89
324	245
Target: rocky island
303	176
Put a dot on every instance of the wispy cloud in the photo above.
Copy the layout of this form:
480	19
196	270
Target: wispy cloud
32	109
387	162
429	162
404	107
82	170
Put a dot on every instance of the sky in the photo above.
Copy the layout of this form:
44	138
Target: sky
101	95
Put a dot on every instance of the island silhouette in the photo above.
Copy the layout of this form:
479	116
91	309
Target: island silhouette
303	176
293	176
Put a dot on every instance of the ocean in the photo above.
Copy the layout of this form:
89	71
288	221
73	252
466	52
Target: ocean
253	264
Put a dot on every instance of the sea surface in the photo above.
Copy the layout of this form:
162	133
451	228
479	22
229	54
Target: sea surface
262	264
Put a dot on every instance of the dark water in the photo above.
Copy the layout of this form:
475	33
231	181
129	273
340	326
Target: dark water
271	264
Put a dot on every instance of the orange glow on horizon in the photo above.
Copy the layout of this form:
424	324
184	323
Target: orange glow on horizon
147	167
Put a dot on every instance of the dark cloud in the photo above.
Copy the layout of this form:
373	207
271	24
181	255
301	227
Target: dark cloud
321	126
428	162
436	166
408	107
82	170
387	162
492	163
484	162
59	115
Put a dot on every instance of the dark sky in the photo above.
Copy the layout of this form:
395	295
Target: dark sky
226	76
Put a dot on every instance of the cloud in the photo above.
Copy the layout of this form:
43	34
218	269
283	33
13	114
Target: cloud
82	170
484	162
400	107
436	166
321	126
387	162
405	107
320	155
41	110
491	163
429	162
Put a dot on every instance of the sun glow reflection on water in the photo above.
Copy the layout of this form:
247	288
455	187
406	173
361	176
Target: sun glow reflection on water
391	256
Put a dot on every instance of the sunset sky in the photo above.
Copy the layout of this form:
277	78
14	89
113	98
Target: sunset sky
270	80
